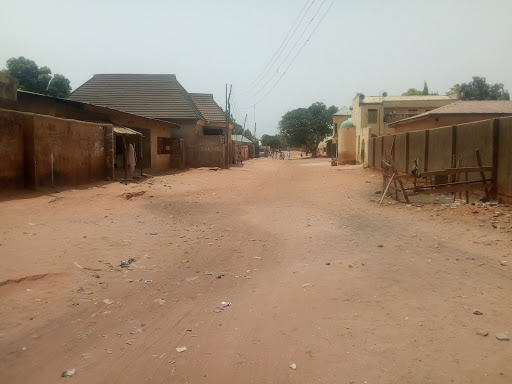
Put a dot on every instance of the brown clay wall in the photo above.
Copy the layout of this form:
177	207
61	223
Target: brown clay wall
210	152
12	153
505	160
77	148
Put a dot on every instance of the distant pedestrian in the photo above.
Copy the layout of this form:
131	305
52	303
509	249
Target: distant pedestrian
289	154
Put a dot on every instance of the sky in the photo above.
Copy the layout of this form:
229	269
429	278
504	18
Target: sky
277	54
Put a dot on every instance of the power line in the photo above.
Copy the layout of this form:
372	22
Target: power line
283	45
297	54
291	50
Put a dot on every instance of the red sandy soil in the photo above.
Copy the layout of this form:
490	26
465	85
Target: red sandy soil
317	273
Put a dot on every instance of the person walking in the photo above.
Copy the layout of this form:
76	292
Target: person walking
289	154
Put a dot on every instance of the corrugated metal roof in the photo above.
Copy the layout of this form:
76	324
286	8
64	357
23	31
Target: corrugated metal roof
148	95
125	131
343	112
208	107
241	138
493	107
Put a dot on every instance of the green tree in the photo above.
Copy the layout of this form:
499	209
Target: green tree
59	86
37	79
425	89
479	89
307	126
413	92
272	141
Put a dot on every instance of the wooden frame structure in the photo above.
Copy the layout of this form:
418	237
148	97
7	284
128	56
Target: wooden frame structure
425	183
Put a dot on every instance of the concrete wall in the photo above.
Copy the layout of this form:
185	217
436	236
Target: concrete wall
458	141
159	161
505	160
77	149
8	91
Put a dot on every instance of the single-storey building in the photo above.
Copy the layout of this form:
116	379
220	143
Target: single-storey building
456	113
162	97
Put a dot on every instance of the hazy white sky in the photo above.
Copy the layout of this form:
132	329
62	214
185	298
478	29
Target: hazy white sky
366	46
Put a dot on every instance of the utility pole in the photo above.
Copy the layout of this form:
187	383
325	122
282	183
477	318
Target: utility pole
228	120
245	120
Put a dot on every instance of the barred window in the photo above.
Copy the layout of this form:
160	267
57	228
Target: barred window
372	116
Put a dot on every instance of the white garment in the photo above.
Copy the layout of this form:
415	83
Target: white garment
131	161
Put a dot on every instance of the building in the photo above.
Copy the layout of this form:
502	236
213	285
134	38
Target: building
242	146
47	141
453	114
337	119
162	97
372	115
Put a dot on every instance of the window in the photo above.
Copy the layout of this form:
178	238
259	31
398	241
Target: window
372	116
335	129
212	132
163	145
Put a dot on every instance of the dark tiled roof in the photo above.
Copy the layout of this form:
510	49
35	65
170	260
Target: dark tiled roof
208	107
153	96
465	107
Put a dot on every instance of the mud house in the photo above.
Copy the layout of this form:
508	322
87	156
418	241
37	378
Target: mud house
372	115
459	112
242	146
50	141
206	139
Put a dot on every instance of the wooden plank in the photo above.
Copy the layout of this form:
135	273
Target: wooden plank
433	187
406	152
457	170
386	190
425	163
449	189
482	173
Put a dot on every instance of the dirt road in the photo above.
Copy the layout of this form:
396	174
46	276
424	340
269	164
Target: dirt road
316	273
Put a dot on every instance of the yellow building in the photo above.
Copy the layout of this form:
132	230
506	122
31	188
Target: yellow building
337	119
371	115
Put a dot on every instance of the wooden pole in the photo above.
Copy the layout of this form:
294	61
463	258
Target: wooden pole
140	154
125	158
482	173
495	157
386	190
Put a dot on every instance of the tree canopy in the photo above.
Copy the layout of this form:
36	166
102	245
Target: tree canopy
37	79
479	89
417	92
272	141
307	127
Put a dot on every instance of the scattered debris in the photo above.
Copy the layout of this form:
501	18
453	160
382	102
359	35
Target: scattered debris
108	301
130	195
223	305
159	301
126	264
259	258
181	349
378	192
327	263
68	373
307	285
482	332
502	337
192	280
503	262
96	276
148	281
477	312
80	290
220	276
380	245
153	233
293	366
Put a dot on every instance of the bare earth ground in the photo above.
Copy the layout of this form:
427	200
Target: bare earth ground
298	244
